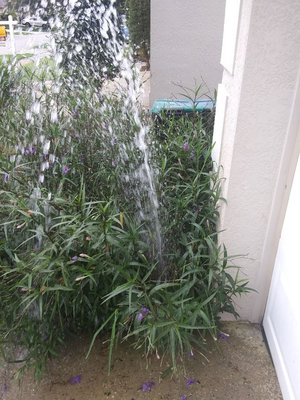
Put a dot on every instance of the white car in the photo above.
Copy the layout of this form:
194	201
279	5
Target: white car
33	21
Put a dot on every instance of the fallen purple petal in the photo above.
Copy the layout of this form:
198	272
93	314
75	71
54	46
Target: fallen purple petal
190	381
223	336
147	386
75	379
4	388
183	397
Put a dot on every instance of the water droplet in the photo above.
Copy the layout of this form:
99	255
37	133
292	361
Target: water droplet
54	116
46	147
28	115
36	107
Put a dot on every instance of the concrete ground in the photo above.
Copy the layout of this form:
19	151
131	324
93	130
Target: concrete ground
239	368
249	364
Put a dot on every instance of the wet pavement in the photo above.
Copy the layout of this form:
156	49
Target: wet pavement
239	368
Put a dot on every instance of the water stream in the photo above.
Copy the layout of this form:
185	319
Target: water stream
74	43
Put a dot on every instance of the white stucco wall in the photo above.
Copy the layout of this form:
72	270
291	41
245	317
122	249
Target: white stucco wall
186	39
259	142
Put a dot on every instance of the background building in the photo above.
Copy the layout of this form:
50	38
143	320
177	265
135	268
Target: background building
186	40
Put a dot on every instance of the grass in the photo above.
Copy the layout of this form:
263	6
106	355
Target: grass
9	57
29	69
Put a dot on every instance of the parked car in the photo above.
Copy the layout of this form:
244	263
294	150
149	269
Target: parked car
34	22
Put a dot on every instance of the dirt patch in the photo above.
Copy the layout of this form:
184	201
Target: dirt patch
239	368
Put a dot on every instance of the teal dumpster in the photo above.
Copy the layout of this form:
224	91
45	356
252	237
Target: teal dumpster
183	108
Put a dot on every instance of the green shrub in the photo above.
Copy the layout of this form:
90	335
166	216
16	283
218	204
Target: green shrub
73	254
9	79
172	308
138	13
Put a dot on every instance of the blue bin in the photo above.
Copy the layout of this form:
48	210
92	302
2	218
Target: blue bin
181	106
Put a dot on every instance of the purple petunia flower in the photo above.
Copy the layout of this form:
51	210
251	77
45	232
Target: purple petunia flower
144	311
183	397
190	381
74	380
147	386
6	177
185	146
65	169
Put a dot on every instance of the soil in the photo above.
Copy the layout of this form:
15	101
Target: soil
238	368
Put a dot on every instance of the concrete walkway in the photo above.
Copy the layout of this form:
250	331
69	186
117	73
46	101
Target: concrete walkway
239	368
250	371
27	42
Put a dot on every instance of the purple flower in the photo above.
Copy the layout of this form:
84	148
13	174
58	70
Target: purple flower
185	146
183	397
29	151
6	177
75	379
140	317
144	311
65	169
190	381
147	386
74	258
